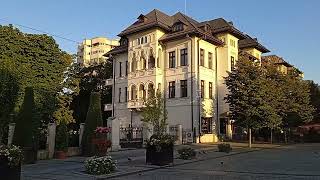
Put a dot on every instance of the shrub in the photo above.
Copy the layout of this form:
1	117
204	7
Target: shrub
160	141
187	153
93	120
26	124
100	165
12	154
62	137
224	147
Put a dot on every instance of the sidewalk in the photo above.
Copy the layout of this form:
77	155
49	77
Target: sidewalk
128	162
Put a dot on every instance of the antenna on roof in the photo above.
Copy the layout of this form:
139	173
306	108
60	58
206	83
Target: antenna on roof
185	7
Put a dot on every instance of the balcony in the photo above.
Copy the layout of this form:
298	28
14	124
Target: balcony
109	82
107	107
136	104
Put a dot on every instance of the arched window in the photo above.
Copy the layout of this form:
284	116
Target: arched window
151	90
152	60
142	92
133	92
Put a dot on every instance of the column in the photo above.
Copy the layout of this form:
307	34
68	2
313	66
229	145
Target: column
81	130
51	139
11	133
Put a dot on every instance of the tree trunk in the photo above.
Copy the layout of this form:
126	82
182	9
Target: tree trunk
271	135
249	137
285	136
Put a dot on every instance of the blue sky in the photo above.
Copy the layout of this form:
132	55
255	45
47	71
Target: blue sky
289	28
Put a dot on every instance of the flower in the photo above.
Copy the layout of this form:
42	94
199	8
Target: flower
12	153
100	165
102	130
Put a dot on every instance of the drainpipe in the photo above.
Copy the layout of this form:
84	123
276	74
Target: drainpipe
114	83
216	91
191	98
198	90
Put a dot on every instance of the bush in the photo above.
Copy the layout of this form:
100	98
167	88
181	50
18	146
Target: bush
12	154
93	120
100	165
187	153
160	141
26	125
224	147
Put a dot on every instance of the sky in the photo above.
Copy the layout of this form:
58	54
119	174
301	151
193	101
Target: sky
289	28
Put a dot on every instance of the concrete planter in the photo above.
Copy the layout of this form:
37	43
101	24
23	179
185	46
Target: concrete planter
7	172
160	158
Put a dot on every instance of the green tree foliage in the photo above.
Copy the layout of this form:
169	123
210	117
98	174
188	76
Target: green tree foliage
38	62
62	137
93	120
91	79
155	113
315	100
262	96
27	126
9	89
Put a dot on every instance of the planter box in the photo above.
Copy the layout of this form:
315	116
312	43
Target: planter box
7	172
73	151
164	157
30	155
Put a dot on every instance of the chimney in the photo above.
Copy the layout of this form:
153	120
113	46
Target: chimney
230	22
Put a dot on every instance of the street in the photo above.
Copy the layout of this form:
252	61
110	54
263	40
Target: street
285	163
301	161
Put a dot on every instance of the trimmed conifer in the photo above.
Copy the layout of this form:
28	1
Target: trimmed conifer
93	120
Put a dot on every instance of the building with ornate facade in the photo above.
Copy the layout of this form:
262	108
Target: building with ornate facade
184	59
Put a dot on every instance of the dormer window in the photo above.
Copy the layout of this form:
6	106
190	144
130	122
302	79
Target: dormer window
123	41
177	27
141	18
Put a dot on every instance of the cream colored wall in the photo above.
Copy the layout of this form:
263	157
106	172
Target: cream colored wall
254	52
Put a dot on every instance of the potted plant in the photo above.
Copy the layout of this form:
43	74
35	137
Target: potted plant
159	148
10	162
100	141
61	145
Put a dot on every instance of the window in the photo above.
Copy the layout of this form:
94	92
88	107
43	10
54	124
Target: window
184	88
141	41
119	98
145	39
126	68
172	89
202	89
172	59
232	63
210	64
138	41
178	27
133	92
201	57
210	90
232	43
126	94
120	69
184	57
206	125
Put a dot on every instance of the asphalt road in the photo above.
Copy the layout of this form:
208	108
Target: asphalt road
286	163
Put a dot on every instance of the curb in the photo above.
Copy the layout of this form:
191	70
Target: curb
179	164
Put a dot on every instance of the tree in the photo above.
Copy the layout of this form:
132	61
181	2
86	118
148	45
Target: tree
93	120
246	93
39	62
62	137
8	96
91	79
155	113
27	127
315	100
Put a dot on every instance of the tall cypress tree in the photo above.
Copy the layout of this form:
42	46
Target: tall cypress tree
93	120
26	126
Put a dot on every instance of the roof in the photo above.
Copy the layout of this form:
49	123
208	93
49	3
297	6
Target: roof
275	60
247	55
250	42
156	18
117	50
220	25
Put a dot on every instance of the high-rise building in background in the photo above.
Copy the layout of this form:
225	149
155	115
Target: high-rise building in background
91	51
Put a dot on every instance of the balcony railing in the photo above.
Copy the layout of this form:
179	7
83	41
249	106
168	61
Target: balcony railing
108	107
109	82
136	104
